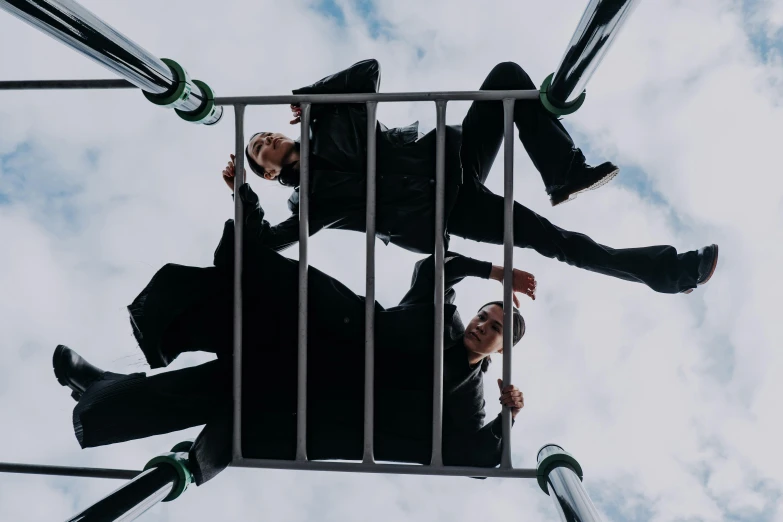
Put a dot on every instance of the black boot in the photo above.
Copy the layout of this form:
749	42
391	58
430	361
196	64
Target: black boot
73	371
582	177
708	261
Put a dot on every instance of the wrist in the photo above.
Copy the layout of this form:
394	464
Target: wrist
496	273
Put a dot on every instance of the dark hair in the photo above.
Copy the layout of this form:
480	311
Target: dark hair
519	322
289	176
519	330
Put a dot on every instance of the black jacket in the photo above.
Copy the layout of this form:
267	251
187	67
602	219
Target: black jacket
404	359
405	170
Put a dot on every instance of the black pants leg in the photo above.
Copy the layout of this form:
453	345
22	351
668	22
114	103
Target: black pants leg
119	408
478	215
545	139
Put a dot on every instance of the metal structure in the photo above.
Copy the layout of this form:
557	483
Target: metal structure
165	83
563	91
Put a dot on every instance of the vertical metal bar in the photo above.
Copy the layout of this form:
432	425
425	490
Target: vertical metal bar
508	266
369	302
239	221
304	235
440	190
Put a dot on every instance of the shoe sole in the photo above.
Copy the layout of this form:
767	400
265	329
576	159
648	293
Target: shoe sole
709	276
58	353
598	184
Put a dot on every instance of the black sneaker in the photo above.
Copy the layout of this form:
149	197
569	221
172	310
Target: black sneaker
585	178
73	371
708	261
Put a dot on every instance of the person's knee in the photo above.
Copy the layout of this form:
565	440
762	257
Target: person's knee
508	75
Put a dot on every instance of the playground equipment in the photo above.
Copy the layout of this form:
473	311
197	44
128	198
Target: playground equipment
166	83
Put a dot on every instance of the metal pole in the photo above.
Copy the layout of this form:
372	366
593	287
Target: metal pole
80	29
68	471
508	266
559	476
304	235
164	478
27	85
369	299
239	225
440	190
132	499
600	23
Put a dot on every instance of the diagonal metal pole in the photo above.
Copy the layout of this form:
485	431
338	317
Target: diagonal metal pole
164	81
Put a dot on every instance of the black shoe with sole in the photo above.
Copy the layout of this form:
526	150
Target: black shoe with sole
708	261
585	178
73	371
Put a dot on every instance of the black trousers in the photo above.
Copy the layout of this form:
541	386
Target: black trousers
478	213
119	408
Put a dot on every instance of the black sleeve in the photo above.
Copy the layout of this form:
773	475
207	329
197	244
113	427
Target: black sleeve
456	268
361	77
262	233
470	442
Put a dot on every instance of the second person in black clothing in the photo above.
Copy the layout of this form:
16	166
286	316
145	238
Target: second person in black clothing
406	190
188	308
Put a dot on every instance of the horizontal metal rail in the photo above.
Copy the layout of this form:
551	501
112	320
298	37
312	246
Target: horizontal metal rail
27	85
285	99
68	471
393	469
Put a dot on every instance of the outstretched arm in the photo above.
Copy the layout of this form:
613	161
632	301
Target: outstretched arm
457	267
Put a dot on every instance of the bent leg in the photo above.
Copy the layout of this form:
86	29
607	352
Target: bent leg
545	139
119	407
479	216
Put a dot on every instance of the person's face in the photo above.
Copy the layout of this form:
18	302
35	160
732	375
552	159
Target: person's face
484	333
271	150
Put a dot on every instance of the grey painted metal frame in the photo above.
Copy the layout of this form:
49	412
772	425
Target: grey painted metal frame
368	464
239	225
369	296
440	190
508	266
304	235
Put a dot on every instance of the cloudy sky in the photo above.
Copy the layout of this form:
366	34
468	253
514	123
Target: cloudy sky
668	402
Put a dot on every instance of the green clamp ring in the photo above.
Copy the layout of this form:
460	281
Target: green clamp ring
178	459
205	111
180	92
558	110
555	460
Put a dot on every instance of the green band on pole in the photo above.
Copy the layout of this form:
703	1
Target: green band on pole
205	111
180	92
178	458
557	110
555	460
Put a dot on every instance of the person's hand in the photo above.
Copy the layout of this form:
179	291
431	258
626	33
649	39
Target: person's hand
511	396
521	282
297	111
228	173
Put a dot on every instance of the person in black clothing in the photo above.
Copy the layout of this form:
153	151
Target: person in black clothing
187	308
405	181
